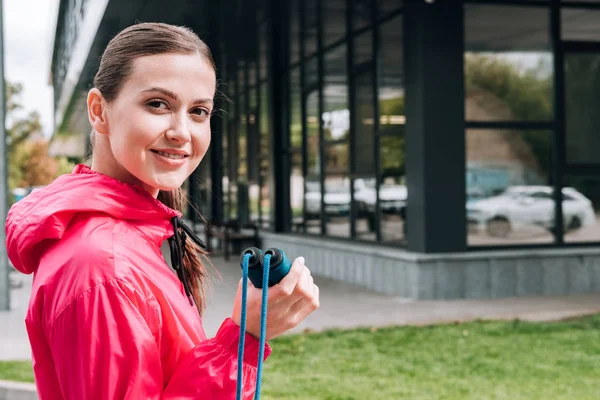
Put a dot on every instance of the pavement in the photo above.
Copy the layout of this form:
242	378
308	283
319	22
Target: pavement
342	306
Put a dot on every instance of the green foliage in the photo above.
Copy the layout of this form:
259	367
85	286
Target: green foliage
527	94
28	161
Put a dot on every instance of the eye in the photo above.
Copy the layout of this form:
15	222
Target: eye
200	111
158	104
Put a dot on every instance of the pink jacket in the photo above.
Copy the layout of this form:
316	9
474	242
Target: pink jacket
108	318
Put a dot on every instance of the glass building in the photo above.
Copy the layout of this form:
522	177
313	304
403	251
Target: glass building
423	148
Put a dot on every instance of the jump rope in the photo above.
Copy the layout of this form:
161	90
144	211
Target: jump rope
264	269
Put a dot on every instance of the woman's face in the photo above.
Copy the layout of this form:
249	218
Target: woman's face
159	124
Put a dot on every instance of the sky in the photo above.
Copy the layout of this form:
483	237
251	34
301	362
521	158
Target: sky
28	38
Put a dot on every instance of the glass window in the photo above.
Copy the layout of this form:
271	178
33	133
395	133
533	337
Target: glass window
311	8
312	133
391	77
297	192
388	6
336	159
581	209
311	72
264	50
295	109
337	206
392	203
363	47
336	118
294	13
582	102
312	204
508	63
334	17
507	173
265	154
365	199
361	14
580	24
391	155
364	151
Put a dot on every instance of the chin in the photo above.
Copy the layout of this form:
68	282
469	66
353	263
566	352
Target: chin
166	183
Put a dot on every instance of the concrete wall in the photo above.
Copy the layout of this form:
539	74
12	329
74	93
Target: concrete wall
480	274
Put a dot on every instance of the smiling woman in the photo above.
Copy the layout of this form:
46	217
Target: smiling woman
105	306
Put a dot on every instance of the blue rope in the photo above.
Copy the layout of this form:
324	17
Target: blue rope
263	325
242	325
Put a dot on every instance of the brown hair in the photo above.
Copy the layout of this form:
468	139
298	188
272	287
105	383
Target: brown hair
116	64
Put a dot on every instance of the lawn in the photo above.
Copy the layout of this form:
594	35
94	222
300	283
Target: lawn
478	360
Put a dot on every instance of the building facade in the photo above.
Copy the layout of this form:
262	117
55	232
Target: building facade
427	149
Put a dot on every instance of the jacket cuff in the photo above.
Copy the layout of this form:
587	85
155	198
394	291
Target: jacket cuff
229	336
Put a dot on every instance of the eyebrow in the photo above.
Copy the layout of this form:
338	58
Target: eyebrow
173	96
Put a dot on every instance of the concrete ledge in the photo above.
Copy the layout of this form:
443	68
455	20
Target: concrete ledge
10	390
474	274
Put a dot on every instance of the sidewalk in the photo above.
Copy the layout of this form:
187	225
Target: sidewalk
342	306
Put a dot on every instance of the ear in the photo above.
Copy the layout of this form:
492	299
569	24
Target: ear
97	111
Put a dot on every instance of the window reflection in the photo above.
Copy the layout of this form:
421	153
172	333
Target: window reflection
312	211
312	133
310	26
336	118
393	197
297	192
582	99
581	209
294	13
334	13
337	206
509	196
508	77
361	14
580	24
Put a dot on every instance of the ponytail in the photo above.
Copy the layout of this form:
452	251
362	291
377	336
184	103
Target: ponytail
195	272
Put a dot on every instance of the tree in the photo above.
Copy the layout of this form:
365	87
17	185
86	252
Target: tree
19	129
29	163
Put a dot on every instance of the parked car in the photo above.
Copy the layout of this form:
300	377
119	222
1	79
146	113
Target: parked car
337	200
392	197
526	206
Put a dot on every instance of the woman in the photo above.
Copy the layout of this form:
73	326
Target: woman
108	318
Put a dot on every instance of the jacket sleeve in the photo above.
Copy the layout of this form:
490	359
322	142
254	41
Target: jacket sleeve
104	346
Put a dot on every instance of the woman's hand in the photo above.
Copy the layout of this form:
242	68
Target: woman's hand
289	302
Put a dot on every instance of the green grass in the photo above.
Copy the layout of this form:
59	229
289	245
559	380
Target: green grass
16	371
480	360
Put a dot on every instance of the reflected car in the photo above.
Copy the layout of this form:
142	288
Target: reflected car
528	206
337	200
392	198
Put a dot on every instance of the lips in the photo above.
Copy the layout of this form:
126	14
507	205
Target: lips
173	155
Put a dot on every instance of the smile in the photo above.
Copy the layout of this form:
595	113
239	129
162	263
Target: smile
170	155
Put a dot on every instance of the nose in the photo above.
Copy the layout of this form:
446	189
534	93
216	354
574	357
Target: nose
178	131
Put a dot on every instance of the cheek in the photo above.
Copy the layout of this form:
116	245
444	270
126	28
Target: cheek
202	141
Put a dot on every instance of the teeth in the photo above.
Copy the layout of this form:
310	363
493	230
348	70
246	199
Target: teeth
169	155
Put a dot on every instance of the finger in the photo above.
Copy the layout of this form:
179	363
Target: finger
304	288
303	308
288	283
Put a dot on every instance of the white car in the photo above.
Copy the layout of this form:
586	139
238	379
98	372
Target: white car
527	206
392	198
337	200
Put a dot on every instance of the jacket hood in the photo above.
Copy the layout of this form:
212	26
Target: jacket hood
46	213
